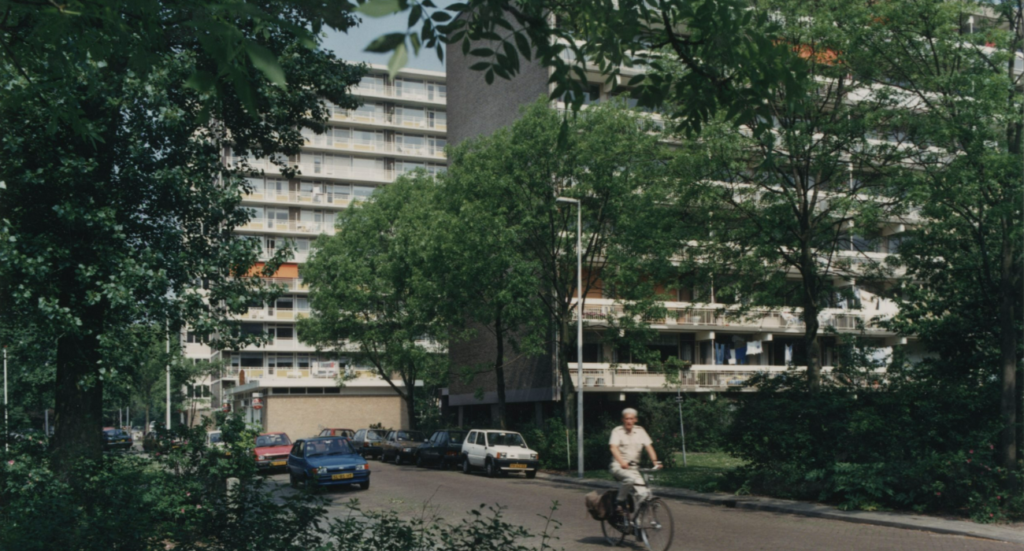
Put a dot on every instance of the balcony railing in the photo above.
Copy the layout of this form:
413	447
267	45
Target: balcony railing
296	256
290	226
391	91
289	283
302	197
396	121
379	146
275	314
698	377
704	316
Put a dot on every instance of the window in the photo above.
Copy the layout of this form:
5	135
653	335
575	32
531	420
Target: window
251	359
285	303
192	337
410	88
302	361
504	439
302	304
281	332
280	361
437	119
362	192
252	329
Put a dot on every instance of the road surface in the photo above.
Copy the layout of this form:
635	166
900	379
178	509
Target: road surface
449	495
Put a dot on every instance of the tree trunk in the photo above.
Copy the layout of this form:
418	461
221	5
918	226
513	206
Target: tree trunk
499	370
410	404
78	412
812	345
1008	359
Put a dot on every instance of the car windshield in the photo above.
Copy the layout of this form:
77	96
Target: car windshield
215	438
266	440
456	437
414	435
505	439
328	446
375	435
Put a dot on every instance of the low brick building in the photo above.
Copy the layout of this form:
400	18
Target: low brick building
302	407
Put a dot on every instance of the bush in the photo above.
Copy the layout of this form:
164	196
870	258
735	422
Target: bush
705	421
550	442
182	499
911	446
483	528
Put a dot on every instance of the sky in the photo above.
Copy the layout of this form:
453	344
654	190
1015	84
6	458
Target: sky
350	46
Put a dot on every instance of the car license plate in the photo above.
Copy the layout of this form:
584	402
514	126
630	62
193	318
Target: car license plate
518	466
278	463
343	476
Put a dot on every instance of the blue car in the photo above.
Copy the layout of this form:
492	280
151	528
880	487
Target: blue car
327	461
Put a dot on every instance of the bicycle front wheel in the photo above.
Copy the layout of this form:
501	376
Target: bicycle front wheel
612	535
655	525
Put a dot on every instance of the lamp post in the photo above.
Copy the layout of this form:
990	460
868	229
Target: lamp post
167	416
7	432
579	329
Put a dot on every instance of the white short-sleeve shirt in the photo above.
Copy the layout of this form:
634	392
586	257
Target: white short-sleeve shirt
630	444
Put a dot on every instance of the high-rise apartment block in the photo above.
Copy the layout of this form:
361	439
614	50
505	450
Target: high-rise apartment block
401	126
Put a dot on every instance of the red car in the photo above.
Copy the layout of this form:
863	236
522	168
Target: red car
272	450
346	433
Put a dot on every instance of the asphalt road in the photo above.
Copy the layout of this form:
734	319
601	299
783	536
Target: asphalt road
449	495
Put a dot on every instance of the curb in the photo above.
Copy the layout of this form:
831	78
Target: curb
813	510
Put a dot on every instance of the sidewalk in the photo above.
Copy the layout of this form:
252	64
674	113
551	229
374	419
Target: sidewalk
909	521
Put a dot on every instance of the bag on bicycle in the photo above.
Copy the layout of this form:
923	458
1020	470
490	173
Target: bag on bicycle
601	505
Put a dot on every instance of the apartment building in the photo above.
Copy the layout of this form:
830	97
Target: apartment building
286	385
725	349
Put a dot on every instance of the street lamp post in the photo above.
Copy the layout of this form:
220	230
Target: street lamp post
7	432
167	420
579	329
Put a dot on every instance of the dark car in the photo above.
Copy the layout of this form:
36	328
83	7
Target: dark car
369	442
327	461
159	441
116	439
402	445
442	450
347	433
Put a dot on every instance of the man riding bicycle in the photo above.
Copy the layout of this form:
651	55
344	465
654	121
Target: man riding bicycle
627	442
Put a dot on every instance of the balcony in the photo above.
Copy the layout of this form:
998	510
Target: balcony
380	146
289	283
394	121
288	226
328	170
274	314
301	198
296	256
708	317
436	97
603	377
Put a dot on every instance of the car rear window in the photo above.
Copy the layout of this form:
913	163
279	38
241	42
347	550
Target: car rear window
410	435
456	437
117	433
215	438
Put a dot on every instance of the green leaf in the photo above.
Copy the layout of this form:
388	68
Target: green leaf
482	52
523	44
386	43
398	60
440	16
381	8
265	60
201	81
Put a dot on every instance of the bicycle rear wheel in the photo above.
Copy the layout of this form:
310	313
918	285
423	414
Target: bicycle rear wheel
612	535
655	525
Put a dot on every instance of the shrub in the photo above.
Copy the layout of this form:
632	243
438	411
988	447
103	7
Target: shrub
911	445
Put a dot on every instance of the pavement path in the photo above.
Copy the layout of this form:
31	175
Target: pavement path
449	495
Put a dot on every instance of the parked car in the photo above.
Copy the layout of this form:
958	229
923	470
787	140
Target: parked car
272	450
498	452
116	439
401	445
369	442
327	461
441	450
347	433
160	442
215	441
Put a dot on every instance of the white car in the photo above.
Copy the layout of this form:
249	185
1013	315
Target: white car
498	452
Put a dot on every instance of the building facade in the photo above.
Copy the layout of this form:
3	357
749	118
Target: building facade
400	126
724	350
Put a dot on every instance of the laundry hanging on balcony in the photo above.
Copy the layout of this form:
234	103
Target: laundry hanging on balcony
753	347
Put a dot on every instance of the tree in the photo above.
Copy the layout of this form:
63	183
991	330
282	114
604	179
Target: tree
727	47
487	283
610	159
116	203
965	264
803	191
366	299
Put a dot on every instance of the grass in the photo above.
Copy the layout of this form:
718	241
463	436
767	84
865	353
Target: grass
704	472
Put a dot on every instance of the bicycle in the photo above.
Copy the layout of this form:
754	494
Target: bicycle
651	522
